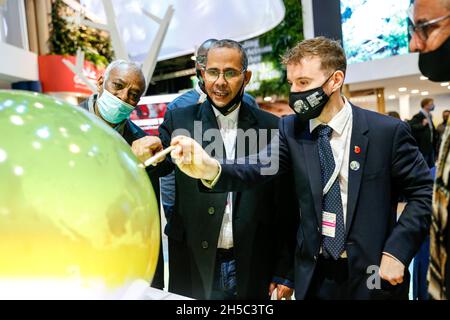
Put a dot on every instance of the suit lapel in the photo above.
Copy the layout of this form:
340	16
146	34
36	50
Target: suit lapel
311	162
209	122
246	120
358	139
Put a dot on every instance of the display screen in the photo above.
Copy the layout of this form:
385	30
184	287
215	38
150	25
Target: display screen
374	29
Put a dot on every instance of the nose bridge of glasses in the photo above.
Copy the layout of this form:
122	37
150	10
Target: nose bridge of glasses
228	74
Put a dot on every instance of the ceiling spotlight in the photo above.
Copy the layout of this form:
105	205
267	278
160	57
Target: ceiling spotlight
445	84
424	93
423	78
402	89
414	91
391	97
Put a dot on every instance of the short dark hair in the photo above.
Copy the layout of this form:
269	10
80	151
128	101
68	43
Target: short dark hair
330	52
425	102
227	43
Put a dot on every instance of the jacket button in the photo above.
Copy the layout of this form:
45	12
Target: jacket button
315	258
318	229
211	210
205	244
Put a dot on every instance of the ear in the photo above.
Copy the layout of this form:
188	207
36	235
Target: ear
338	79
248	76
100	81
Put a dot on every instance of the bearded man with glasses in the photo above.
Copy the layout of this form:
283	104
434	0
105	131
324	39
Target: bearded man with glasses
231	245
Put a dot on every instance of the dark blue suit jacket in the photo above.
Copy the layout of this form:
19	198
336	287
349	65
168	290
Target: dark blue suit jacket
390	164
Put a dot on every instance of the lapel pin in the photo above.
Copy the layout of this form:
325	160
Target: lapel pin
357	150
354	165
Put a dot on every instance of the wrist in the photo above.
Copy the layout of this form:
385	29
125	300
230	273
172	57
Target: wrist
213	169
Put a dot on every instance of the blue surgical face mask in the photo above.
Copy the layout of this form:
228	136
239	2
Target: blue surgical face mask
112	109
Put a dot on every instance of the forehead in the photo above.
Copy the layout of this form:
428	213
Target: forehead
128	75
427	10
224	58
307	67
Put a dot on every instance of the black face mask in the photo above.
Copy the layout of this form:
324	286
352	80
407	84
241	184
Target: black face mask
232	105
435	65
309	104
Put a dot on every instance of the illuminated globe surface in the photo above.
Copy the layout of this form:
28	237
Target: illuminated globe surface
78	216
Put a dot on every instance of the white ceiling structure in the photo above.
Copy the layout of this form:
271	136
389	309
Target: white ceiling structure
193	22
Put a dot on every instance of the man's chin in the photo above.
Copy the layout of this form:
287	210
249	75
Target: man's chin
220	104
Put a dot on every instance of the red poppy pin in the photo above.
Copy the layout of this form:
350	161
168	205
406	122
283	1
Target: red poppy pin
357	149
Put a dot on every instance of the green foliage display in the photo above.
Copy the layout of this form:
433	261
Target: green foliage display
286	35
65	38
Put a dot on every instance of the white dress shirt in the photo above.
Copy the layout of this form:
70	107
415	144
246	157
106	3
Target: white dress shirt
341	124
228	130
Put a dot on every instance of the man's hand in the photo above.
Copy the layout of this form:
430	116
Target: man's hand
391	270
425	122
282	291
190	157
146	147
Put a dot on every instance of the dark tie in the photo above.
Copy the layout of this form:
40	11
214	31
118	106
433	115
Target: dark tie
331	201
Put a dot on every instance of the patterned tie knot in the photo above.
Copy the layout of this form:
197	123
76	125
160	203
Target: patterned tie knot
324	130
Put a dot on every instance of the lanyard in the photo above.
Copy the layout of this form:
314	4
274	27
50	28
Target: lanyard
339	160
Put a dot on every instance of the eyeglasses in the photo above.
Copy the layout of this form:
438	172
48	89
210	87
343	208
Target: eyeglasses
229	74
422	29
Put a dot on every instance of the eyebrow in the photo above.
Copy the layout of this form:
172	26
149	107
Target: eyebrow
118	80
303	78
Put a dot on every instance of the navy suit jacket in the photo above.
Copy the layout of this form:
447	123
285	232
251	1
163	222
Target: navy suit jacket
390	164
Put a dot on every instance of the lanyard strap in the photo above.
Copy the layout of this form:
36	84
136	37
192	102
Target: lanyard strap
339	160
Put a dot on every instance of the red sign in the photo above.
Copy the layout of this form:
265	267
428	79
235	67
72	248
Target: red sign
55	76
149	116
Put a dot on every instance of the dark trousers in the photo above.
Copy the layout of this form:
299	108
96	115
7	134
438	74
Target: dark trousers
179	268
330	280
421	262
224	282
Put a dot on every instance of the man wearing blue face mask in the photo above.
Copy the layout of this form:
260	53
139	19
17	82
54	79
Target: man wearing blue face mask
350	165
424	131
119	91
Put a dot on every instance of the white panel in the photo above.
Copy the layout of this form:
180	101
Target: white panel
308	19
193	22
18	64
396	66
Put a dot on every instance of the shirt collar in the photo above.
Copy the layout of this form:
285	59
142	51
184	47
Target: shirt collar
427	114
339	120
233	116
198	89
91	102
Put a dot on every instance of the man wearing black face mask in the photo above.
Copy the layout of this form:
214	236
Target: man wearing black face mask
431	38
349	165
229	245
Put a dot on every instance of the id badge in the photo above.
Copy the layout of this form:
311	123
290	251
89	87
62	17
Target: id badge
328	224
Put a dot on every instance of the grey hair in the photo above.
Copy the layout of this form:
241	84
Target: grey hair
117	63
227	43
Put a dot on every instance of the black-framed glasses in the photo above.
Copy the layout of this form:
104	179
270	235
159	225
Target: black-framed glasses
213	74
422	29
